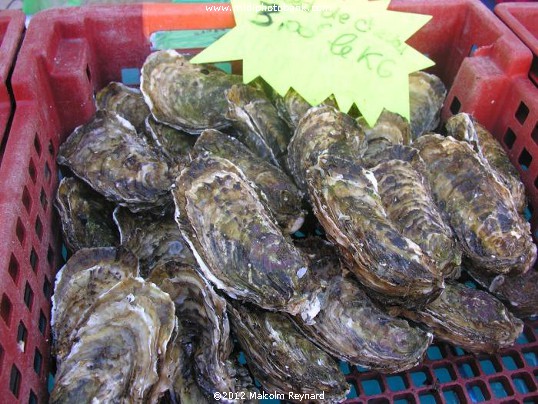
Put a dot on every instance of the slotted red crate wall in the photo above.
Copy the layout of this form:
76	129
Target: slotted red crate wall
11	30
67	54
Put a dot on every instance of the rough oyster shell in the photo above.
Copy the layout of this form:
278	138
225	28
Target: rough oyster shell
237	244
152	239
173	143
519	291
203	331
125	101
480	210
120	345
320	129
88	274
85	215
186	96
347	203
463	127
470	318
109	155
282	359
350	327
296	106
426	97
409	204
282	196
390	129
259	124
322	257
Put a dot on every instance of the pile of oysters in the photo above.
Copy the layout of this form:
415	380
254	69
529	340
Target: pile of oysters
204	216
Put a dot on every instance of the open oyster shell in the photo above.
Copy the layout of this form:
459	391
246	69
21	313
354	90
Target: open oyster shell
109	155
346	201
120	345
409	204
237	244
186	96
259	124
282	359
86	216
153	239
518	291
470	318
125	101
480	210
283	198
463	127
88	274
320	129
426	97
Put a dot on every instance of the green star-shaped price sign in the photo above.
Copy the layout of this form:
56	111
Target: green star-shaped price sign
352	49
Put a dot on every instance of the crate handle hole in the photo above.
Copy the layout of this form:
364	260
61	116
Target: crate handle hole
39	228
32	171
534	133
42	322
48	173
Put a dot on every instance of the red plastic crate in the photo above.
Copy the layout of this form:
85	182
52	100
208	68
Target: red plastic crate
67	54
518	126
11	30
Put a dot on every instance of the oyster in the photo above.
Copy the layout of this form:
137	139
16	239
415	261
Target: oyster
283	198
120	346
88	274
108	154
426	97
463	127
125	101
174	144
186	96
320	129
519	292
296	106
259	124
86	216
237	244
152	239
390	129
480	210
409	204
203	335
470	318
346	201
350	327
322	257
283	360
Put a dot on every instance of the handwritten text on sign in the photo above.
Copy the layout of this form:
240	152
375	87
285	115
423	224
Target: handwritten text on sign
354	49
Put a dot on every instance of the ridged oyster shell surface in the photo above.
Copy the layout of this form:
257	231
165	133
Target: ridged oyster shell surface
480	209
118	163
346	201
186	96
236	241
